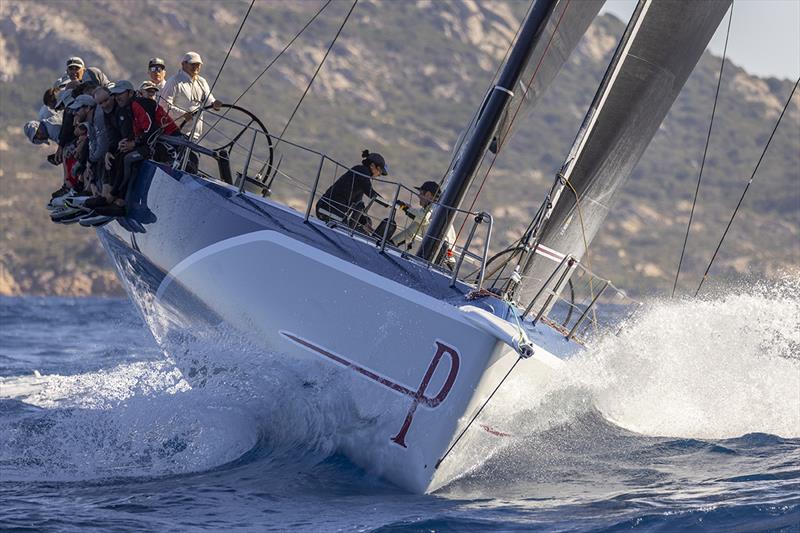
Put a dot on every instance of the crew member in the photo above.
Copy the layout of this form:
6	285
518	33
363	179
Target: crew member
343	201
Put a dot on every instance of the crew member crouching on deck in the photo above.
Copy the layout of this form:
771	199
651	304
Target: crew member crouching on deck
343	201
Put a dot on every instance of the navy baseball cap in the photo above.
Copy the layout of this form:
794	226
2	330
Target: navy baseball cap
431	187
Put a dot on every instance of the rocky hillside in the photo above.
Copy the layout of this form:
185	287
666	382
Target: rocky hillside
403	79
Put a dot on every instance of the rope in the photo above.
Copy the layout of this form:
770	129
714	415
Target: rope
514	116
585	247
274	60
219	72
705	151
736	210
473	119
450	449
308	87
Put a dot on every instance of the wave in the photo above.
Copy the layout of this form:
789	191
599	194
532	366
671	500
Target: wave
680	377
712	368
685	370
132	421
144	420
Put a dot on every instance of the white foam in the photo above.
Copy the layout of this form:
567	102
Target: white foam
139	419
143	419
715	368
94	390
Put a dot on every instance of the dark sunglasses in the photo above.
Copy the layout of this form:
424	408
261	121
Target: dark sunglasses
156	68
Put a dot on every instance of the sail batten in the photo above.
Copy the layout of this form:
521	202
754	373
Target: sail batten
658	51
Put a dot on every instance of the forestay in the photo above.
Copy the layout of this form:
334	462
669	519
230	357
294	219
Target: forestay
659	49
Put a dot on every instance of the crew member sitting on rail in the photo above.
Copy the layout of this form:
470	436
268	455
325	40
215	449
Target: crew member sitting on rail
48	108
157	71
78	71
343	201
139	121
148	89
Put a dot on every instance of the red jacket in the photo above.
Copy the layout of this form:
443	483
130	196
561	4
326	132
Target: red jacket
148	117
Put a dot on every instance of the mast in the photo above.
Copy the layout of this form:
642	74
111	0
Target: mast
662	44
485	127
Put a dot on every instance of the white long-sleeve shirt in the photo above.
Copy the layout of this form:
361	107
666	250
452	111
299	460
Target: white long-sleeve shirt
420	219
181	94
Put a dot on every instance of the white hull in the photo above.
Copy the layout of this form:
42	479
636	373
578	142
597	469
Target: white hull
310	305
415	367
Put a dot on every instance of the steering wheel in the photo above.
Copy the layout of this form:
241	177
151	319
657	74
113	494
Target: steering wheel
226	148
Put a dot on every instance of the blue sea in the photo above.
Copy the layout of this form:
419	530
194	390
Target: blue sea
687	419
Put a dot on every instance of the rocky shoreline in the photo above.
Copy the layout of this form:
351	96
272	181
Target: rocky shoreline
94	282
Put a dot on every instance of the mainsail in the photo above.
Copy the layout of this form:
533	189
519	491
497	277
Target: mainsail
557	32
567	23
661	45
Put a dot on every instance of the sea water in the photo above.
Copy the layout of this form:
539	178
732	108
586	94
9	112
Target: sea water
687	418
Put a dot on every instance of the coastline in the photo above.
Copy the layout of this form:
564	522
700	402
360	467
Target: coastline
67	282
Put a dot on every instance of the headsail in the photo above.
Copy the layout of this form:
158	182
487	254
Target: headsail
661	45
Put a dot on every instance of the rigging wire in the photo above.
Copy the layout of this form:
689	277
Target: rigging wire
705	151
500	145
274	60
319	67
472	121
460	141
747	187
585	247
514	116
219	72
485	403
479	108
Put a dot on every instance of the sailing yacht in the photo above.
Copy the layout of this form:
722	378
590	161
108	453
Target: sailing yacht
229	279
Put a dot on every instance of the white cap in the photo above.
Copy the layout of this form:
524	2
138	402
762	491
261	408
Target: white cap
191	57
120	87
64	98
82	101
30	129
75	61
147	85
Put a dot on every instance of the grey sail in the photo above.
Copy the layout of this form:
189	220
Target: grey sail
560	24
567	23
658	51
